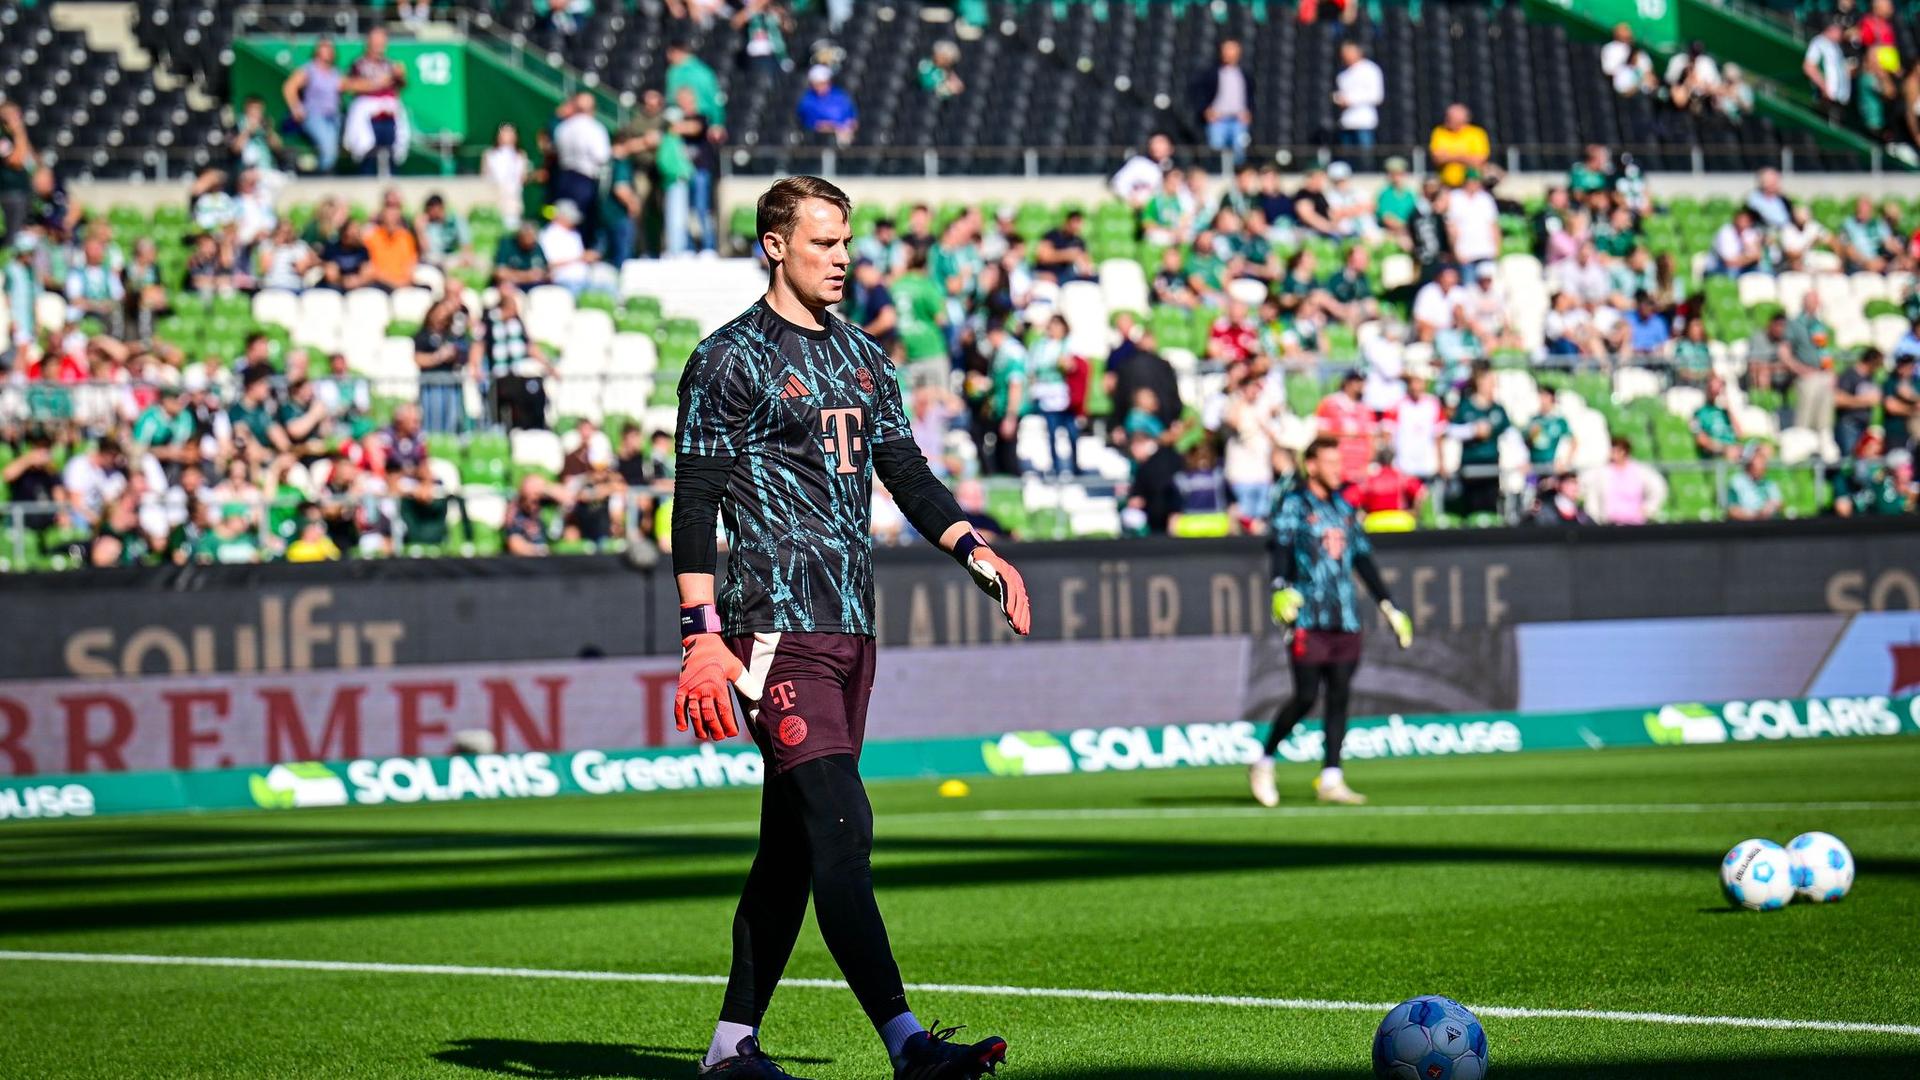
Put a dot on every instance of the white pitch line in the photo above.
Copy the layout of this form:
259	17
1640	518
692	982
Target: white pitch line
1125	996
1521	810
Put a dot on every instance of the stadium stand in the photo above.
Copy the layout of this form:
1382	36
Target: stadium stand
1066	81
1223	282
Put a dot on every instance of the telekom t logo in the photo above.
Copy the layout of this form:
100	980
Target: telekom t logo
843	427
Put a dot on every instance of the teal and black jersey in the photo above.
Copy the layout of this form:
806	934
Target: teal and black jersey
792	422
1316	546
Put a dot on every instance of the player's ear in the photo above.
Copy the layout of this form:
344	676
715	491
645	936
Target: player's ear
775	246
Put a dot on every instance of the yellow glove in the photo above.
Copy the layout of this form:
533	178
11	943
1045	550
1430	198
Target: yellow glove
1398	621
1286	605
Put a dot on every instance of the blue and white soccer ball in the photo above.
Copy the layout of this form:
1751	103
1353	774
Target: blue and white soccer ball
1822	867
1757	874
1430	1038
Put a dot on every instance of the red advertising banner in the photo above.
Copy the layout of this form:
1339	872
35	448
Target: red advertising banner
208	722
214	721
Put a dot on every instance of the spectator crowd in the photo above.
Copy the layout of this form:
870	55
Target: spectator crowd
127	449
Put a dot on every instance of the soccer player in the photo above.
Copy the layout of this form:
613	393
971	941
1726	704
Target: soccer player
1317	545
786	413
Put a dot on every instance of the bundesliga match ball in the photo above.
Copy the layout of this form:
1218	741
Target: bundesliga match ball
1757	875
1822	867
1430	1038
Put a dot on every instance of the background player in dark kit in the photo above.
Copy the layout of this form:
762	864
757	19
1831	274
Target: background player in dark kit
1317	545
785	415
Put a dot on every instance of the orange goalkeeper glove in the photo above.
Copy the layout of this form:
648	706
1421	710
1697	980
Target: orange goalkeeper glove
708	672
998	579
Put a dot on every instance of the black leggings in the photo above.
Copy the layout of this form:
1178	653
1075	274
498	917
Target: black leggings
816	834
1306	688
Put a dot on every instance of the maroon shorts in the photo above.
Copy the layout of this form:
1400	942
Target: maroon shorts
813	701
1325	647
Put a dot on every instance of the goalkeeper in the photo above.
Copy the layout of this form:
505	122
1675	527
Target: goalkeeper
1316	547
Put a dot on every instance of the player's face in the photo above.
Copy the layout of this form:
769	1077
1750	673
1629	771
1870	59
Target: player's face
1324	467
814	260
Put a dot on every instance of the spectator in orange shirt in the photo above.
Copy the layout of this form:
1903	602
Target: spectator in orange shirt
392	249
1347	419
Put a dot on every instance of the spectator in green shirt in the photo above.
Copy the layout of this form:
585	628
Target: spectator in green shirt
1810	361
1753	495
1715	432
937	75
255	419
1692	358
230	541
1867	242
1395	204
1349	290
1885	489
519	261
1617	236
1005	401
687	71
1478	422
166	429
16	173
1592	173
1546	432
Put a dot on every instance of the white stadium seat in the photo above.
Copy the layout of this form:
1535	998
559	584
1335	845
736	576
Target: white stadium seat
1397	271
1123	285
1758	289
50	311
1866	285
539	449
1887	332
410	305
546	311
1793	288
276	307
1798	444
634	354
367	307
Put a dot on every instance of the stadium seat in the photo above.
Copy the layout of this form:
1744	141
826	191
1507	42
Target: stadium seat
1798	444
1758	289
1123	286
1792	288
277	307
410	305
538	449
547	312
1397	271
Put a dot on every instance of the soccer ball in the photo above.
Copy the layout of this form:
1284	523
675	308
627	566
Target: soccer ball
1822	866
1430	1038
1757	874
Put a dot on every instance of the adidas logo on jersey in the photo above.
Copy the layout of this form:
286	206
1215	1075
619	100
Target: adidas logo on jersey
794	388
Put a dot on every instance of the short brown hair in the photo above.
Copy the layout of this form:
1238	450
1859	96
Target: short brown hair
1319	445
779	208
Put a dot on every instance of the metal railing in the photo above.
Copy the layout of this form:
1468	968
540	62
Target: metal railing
1081	162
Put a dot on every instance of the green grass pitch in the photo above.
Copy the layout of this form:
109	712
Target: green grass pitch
1594	889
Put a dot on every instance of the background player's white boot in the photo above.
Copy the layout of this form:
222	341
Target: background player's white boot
1260	778
1331	787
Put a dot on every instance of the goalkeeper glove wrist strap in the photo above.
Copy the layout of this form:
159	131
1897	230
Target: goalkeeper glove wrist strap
698	619
964	547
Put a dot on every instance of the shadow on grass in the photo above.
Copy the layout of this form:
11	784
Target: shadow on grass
470	874
577	1060
1848	1066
